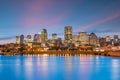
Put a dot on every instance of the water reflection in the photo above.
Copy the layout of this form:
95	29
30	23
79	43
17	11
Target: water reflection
83	67
28	67
115	69
44	66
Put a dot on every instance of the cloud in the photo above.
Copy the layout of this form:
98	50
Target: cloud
7	38
42	13
107	19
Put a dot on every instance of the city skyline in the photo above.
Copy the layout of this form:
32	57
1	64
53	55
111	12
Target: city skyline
68	36
29	17
68	32
59	39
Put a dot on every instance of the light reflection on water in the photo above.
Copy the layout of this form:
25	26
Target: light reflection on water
59	68
115	69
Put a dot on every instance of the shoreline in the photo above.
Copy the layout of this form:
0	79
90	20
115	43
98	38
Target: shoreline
65	53
114	54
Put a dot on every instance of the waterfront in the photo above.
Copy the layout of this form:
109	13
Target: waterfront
62	53
83	67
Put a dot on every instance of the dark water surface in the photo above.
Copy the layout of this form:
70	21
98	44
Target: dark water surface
59	68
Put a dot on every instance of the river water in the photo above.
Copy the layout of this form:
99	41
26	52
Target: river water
59	68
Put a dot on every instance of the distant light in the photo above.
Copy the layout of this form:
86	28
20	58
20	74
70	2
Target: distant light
97	50
102	50
39	32
45	54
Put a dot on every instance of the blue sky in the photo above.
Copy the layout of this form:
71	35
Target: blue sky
30	16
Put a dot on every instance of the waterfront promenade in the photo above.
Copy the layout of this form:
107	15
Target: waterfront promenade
58	53
63	53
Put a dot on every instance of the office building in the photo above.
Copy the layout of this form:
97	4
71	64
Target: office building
83	38
44	35
29	41
54	36
17	39
75	40
93	41
116	40
68	34
21	40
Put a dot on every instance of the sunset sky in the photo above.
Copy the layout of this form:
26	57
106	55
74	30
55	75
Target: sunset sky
30	16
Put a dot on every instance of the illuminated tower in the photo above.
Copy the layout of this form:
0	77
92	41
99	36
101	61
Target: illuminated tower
37	38
21	40
68	34
108	40
116	37
116	40
83	38
102	41
29	38
75	40
44	35
17	39
93	39
29	41
54	36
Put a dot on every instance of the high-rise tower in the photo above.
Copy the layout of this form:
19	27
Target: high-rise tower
44	35
29	38
29	41
83	38
68	34
17	39
54	36
21	40
93	39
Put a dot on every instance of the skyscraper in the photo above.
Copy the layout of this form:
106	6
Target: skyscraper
102	41
21	40
83	38
68	34
116	37
36	41
29	41
108	40
29	38
37	38
116	40
44	35
75	40
54	36
17	39
93	39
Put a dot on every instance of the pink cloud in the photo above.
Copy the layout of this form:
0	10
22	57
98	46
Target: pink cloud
37	14
109	18
39	5
31	21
